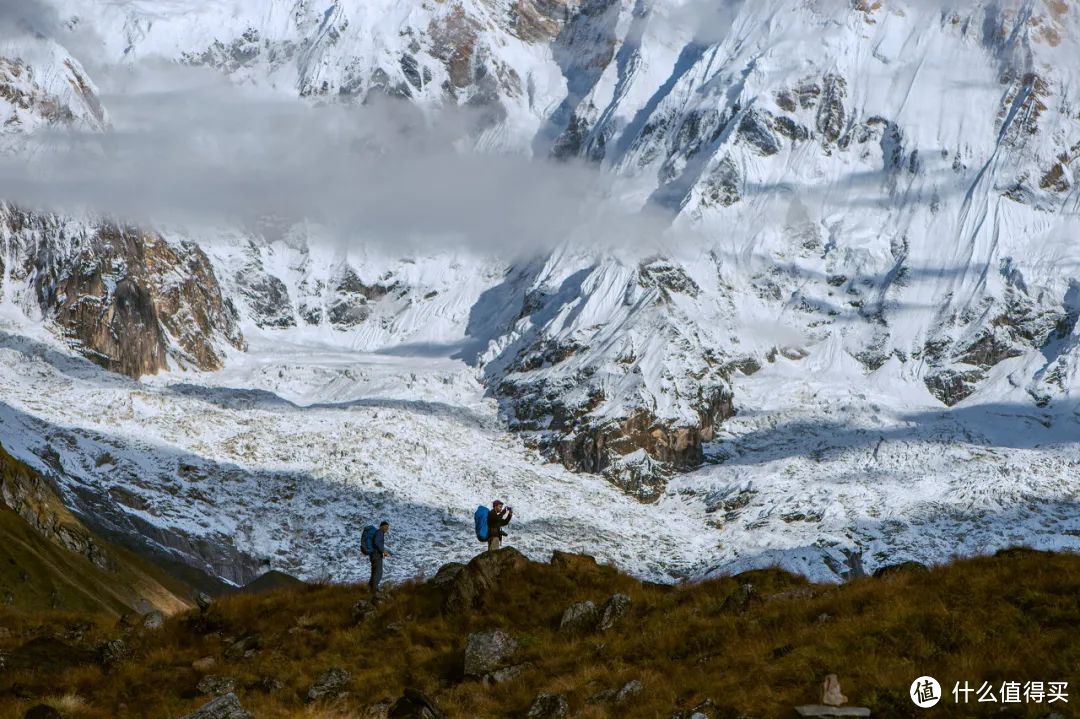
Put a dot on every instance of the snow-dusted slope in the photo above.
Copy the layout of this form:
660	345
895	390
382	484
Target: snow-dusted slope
858	307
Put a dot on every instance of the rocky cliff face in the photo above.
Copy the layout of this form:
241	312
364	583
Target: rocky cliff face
127	299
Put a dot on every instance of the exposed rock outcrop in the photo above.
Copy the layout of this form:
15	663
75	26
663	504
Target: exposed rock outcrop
127	299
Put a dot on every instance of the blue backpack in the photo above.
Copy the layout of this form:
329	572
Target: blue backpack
367	540
481	519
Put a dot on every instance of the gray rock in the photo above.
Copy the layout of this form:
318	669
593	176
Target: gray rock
629	690
216	685
741	599
501	676
113	652
153	620
820	710
580	617
613	612
485	652
447	573
203	601
245	647
224	707
329	685
468	589
549	706
830	692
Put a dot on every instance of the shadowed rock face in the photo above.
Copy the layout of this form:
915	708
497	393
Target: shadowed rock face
126	299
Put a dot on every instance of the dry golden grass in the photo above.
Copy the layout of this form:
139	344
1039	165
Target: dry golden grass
1014	616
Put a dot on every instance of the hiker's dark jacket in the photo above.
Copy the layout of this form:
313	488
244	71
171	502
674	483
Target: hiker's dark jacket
498	520
379	543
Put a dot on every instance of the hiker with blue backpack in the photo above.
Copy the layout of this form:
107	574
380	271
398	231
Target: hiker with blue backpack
373	546
489	523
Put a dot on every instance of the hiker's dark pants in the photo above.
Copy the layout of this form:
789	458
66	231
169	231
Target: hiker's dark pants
376	572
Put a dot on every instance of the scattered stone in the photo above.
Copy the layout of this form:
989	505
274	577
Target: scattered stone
580	617
216	685
606	696
485	652
42	711
204	664
414	705
830	692
824	617
153	620
613	612
270	685
329	685
113	652
245	647
501	676
741	599
381	710
447	573
908	567
629	690
224	707
203	601
548	706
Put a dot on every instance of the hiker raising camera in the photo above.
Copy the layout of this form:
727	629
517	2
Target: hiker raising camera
489	523
373	546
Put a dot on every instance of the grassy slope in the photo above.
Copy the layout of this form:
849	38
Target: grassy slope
38	572
1013	616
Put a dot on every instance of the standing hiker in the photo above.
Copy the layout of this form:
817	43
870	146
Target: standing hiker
497	518
373	545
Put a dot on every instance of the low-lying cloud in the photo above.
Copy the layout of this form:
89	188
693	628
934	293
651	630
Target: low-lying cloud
187	147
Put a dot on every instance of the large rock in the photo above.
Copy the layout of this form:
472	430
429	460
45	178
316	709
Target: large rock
566	560
486	652
153	620
549	706
580	617
216	685
830	692
613	612
414	705
480	577
224	707
330	684
447	573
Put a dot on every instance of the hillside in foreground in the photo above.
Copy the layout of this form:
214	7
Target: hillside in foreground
753	645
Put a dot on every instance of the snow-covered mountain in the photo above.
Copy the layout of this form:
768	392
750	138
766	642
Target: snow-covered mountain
859	310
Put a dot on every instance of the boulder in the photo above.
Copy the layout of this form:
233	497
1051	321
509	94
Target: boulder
447	573
506	674
224	707
153	620
580	617
741	599
548	706
113	652
830	692
245	647
485	652
329	685
42	711
216	685
270	684
629	690
613	612
908	567
468	590
203	601
414	705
